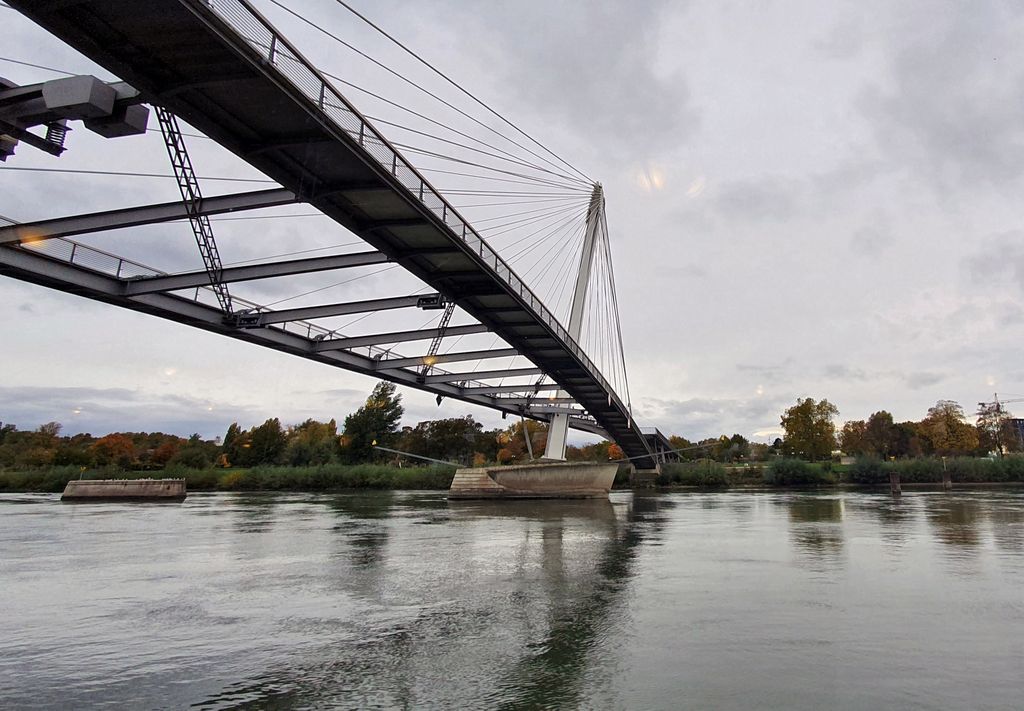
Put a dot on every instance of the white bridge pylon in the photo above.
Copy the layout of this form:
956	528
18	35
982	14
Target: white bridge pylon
596	236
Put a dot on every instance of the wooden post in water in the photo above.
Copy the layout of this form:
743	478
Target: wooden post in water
947	480
894	483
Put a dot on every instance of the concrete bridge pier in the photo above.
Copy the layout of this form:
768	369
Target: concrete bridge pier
644	478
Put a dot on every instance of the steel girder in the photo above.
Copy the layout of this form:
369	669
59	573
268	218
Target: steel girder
398	337
189	280
447	358
143	215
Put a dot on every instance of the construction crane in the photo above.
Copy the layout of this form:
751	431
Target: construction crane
996	406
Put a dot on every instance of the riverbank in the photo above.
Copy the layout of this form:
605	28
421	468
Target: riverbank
325	478
779	474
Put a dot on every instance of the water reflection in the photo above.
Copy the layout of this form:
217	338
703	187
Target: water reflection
551	672
1008	528
897	518
255	513
955	520
816	528
549	593
362	521
402	600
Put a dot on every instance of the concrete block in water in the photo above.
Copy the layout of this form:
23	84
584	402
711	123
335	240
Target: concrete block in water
124	490
542	480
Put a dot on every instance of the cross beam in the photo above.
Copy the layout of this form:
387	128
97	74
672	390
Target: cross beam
496	389
398	337
481	375
446	358
189	280
144	215
536	400
266	318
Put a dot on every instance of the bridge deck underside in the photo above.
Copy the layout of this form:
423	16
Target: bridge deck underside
183	56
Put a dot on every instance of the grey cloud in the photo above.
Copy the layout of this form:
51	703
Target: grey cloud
1001	258
844	372
768	373
764	199
1008	314
919	380
953	113
593	70
681	271
870	241
340	393
697	418
103	410
844	41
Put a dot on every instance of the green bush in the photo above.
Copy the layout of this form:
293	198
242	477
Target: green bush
965	470
703	474
1014	467
335	476
191	458
868	471
267	478
795	472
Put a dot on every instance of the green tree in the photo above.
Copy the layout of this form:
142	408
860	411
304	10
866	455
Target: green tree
596	452
995	429
947	430
810	431
910	440
267	443
880	435
759	451
679	442
234	446
313	442
377	420
192	457
448	439
731	449
851	437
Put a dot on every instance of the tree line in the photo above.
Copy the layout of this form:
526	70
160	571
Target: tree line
809	430
458	440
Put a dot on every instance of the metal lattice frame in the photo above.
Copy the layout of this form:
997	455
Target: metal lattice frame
188	185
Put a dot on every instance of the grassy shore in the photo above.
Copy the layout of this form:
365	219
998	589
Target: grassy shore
325	478
783	473
791	473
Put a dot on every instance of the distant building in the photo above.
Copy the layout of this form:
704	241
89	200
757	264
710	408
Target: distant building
1018	429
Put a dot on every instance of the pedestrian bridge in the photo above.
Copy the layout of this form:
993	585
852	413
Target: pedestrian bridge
222	68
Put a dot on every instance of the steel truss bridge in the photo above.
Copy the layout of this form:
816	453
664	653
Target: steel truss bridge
220	66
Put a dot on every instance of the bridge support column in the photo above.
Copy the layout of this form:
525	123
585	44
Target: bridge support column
644	478
558	428
558	435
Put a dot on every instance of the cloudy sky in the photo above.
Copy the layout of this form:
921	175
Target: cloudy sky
805	200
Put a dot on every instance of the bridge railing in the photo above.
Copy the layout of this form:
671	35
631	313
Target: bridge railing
274	50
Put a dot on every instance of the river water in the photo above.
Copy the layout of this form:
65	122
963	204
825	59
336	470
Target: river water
404	600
